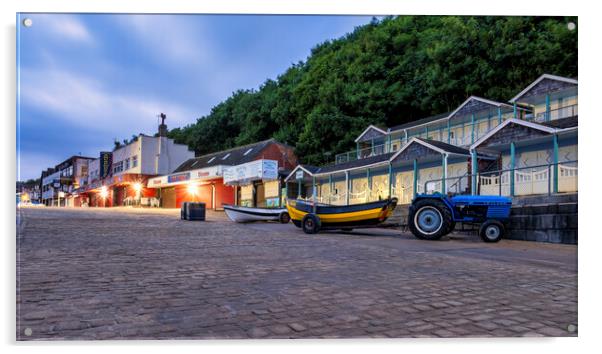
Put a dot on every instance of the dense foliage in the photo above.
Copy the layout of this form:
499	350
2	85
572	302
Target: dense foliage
388	72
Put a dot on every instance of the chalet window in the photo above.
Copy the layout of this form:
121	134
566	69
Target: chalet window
211	159
247	152
226	156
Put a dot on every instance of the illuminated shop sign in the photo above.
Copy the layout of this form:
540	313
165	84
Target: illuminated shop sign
181	177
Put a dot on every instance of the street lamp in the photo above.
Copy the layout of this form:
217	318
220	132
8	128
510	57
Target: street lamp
104	193
137	189
192	189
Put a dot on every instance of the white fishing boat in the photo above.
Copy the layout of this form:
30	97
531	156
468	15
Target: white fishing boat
246	214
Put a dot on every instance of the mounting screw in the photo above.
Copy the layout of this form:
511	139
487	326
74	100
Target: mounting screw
571	26
27	22
572	328
28	332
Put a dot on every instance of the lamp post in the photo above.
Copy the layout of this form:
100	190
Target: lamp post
137	189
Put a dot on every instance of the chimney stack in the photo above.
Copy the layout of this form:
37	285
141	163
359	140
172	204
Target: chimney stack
162	126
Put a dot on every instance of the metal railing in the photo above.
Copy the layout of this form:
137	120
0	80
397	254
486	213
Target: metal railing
548	179
558	113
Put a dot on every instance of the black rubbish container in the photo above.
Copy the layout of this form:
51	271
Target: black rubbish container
193	211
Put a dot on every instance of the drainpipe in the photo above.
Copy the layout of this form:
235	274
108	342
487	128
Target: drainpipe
415	177
390	179
547	107
329	188
472	120
347	186
555	141
444	173
369	182
512	166
499	115
473	167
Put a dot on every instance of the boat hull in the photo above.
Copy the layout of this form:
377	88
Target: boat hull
244	214
333	216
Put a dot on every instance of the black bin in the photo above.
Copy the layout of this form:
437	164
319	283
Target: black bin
193	211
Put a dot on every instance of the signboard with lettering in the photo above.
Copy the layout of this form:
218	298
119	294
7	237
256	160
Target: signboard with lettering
106	160
251	171
299	174
180	177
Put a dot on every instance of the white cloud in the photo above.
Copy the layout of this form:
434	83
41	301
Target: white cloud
85	102
64	26
171	38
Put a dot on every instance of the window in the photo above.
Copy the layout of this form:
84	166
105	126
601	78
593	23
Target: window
127	163
134	161
226	156
211	159
247	152
118	167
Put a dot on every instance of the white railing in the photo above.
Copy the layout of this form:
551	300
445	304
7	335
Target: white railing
531	180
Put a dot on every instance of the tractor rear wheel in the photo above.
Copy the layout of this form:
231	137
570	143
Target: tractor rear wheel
430	219
311	224
492	231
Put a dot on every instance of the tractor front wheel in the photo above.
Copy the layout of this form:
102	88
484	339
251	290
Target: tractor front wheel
430	219
492	231
311	224
284	218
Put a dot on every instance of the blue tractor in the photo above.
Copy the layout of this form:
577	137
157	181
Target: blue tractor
433	216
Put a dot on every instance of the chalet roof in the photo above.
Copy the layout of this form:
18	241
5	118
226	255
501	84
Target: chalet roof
381	160
480	100
230	157
445	147
540	79
563	123
540	127
380	130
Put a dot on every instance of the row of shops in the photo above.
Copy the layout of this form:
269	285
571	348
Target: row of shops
156	172
524	147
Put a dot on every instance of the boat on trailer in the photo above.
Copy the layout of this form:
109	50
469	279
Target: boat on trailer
247	214
313	217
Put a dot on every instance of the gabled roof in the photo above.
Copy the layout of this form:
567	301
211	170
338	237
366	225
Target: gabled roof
384	132
309	169
439	146
507	122
229	157
445	147
481	99
539	79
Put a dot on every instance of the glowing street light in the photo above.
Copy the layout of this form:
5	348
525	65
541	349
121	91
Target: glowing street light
137	187
192	189
104	192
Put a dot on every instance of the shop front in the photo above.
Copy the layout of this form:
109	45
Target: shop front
202	185
257	183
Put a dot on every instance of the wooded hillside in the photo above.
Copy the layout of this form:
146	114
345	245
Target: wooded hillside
388	72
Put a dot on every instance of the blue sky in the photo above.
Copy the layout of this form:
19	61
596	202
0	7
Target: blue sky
86	79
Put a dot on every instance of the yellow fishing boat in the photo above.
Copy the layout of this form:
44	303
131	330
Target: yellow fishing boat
313	217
